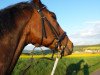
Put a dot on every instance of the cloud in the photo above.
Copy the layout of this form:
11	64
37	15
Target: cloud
89	35
92	22
93	30
29	47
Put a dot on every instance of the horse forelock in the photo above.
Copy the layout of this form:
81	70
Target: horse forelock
8	15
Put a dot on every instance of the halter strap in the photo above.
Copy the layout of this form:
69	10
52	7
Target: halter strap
39	10
53	30
43	18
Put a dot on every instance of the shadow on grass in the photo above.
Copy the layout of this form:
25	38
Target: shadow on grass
86	69
74	68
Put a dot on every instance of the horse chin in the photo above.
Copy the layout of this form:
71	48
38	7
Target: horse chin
67	52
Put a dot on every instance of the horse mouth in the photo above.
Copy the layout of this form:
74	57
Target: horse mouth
68	52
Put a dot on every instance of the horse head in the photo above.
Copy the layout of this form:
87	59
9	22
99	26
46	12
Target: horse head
29	22
45	30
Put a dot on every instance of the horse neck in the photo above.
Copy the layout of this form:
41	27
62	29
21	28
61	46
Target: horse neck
15	42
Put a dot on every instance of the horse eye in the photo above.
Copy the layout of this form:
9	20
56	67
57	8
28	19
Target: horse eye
53	15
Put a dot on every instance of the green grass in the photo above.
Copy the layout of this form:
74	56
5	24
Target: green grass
66	66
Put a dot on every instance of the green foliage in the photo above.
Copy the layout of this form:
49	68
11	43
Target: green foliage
66	66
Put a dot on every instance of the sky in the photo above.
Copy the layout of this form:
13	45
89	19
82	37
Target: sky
79	18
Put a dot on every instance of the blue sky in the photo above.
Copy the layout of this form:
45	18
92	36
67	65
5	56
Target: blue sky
79	18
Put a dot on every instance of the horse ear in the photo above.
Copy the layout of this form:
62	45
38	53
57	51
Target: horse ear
36	1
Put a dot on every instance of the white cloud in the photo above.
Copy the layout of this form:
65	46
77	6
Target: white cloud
89	35
29	47
93	30
92	22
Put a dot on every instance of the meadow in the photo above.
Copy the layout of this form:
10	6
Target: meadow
75	64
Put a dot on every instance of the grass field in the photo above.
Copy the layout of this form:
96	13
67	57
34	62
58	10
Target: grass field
75	64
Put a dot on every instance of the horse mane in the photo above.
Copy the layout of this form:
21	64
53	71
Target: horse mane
8	15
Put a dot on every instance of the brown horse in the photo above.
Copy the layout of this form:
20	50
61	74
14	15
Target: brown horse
25	23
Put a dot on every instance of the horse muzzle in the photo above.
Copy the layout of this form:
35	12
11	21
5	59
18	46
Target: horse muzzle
68	51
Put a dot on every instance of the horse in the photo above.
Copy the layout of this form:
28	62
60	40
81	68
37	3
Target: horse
29	23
